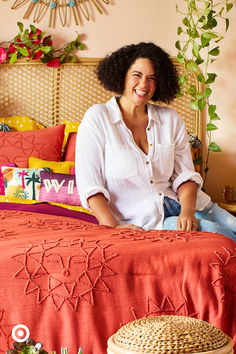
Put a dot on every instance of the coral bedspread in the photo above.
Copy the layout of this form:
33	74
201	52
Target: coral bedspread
74	283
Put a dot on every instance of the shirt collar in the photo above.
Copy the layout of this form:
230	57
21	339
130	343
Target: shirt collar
114	113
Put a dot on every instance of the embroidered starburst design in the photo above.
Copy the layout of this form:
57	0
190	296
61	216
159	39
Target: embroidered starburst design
65	271
225	272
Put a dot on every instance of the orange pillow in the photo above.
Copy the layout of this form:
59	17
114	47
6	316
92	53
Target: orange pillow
17	147
70	147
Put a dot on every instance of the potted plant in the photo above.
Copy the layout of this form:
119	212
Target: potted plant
198	46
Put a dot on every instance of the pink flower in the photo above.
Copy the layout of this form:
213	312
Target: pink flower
3	54
38	31
38	54
54	63
11	48
20	43
30	54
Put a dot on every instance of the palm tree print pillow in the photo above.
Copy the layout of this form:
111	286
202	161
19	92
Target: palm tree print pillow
22	182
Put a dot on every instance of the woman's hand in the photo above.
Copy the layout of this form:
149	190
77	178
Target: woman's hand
187	194
129	226
187	222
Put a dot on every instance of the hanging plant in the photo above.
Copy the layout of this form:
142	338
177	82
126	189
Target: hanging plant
32	44
198	47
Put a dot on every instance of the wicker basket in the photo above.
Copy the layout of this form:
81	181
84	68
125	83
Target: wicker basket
169	334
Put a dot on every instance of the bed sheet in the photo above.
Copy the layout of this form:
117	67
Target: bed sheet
74	283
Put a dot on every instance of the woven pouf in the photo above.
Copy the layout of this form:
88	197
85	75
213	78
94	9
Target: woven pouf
169	334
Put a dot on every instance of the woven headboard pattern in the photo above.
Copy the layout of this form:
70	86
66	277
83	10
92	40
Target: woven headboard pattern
51	95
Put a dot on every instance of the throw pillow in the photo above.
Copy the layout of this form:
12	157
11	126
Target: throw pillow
2	182
58	167
17	147
21	182
70	147
70	126
19	123
59	188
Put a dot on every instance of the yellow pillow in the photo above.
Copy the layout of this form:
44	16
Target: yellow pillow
21	123
71	126
57	167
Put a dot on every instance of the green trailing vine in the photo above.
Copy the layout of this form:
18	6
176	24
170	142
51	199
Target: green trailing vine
198	46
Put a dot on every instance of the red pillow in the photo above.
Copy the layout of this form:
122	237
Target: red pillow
17	147
70	147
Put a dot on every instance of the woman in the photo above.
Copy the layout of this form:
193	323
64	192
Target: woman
133	162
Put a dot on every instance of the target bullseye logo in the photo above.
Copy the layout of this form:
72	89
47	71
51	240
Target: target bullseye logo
20	333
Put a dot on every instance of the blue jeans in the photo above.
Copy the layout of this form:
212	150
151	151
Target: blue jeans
211	219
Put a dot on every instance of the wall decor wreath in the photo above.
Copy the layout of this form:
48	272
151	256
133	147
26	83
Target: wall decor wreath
65	9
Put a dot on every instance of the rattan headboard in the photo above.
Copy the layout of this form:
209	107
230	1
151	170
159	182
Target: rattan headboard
51	95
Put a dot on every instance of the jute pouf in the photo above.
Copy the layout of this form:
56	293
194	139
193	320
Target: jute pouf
169	334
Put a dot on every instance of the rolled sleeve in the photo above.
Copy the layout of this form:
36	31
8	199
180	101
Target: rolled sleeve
89	160
187	176
92	191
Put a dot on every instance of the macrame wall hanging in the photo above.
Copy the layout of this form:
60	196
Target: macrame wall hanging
78	9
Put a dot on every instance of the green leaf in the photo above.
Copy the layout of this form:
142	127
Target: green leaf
207	92
229	7
62	58
211	78
182	80
180	58
211	109
13	58
205	40
177	45
33	29
186	22
196	48
201	78
215	51
21	26
69	47
79	45
23	51
47	49
214	147
193	5
210	127
179	30
192	65
226	24
199	61
194	105
72	59
192	90
201	103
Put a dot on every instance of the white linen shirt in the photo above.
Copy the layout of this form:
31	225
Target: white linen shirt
109	161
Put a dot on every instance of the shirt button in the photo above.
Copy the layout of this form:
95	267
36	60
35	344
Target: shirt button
159	194
147	162
151	181
150	144
148	128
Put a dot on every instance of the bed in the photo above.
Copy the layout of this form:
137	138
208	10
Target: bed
72	282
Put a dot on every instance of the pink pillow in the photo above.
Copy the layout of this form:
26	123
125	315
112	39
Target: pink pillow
17	147
70	147
2	181
59	188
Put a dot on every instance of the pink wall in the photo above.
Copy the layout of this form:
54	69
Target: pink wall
131	21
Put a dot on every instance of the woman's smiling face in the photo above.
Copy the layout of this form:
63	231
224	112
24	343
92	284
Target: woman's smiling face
140	82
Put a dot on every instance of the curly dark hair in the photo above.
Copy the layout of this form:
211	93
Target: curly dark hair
111	71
